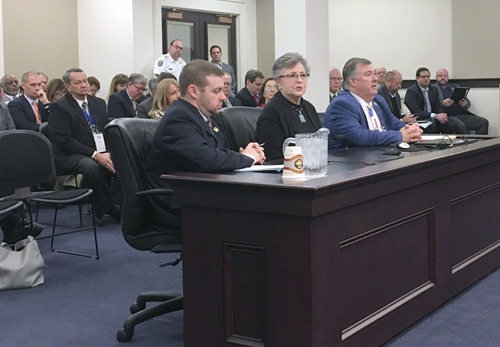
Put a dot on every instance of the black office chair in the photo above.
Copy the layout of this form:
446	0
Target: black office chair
321	116
129	141
238	125
27	160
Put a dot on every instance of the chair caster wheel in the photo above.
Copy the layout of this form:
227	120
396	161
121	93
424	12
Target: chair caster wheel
134	308
123	336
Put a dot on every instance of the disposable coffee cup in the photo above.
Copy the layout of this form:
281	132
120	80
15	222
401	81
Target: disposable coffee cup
293	166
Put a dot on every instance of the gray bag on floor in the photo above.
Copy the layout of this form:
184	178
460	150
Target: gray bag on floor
21	265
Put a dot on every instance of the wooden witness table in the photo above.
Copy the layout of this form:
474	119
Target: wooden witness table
350	259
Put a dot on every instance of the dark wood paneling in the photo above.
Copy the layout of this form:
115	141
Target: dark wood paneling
244	294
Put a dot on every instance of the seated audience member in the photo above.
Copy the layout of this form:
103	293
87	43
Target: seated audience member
11	88
380	72
287	113
124	103
164	75
55	89
94	84
15	228
119	82
166	93
145	106
31	109
267	91
230	98
216	55
249	95
77	121
389	91
422	100
335	83
188	140
458	109
362	116
6	121
44	79
172	61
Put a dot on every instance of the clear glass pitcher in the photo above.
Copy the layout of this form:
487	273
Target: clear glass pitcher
314	151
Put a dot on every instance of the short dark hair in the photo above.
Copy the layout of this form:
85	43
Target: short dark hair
94	82
252	75
164	75
66	78
422	69
196	73
172	43
389	75
215	46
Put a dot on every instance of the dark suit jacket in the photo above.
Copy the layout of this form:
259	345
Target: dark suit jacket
23	115
229	69
344	116
233	101
120	105
144	107
384	92
183	141
414	99
70	132
246	98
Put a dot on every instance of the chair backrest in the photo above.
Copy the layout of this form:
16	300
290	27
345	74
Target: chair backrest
129	141
26	159
238	124
321	116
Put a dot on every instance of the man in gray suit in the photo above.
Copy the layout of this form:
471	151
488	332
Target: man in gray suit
216	54
6	121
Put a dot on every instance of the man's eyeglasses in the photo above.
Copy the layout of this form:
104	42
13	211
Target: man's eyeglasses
294	76
178	47
424	76
140	90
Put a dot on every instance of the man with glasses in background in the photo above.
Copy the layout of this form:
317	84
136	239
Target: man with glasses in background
422	100
124	103
172	61
230	98
335	83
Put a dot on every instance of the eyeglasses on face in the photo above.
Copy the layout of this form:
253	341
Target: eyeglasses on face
275	87
295	77
178	47
140	90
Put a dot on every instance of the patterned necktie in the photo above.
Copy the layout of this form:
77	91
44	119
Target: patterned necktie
209	122
427	102
37	114
93	128
374	119
228	104
256	98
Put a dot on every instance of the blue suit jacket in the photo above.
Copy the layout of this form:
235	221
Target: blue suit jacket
344	116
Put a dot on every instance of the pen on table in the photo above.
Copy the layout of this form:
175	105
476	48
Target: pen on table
262	144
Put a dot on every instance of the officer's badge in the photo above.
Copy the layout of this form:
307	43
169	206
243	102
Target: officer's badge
160	62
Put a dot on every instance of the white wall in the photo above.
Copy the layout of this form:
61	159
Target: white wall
398	34
1	42
144	45
106	39
485	102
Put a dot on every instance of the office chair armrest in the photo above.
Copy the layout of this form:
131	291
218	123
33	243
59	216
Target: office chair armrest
151	192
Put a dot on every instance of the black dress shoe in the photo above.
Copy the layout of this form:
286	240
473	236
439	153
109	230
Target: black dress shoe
23	230
98	221
116	214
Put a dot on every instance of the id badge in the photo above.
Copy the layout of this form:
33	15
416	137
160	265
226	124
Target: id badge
100	145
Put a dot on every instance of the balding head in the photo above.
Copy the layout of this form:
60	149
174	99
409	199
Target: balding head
393	81
442	76
380	72
335	80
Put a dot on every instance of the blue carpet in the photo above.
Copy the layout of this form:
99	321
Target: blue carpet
84	302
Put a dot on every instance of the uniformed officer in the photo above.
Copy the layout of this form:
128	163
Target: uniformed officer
172	61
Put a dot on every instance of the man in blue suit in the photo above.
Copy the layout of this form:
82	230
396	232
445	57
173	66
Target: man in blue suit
361	116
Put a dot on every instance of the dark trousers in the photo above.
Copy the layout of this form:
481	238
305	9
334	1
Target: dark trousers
104	183
452	126
473	122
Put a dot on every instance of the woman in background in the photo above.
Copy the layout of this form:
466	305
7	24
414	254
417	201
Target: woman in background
55	89
267	91
167	92
287	113
94	85
118	83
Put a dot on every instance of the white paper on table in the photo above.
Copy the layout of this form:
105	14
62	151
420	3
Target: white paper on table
257	168
437	137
